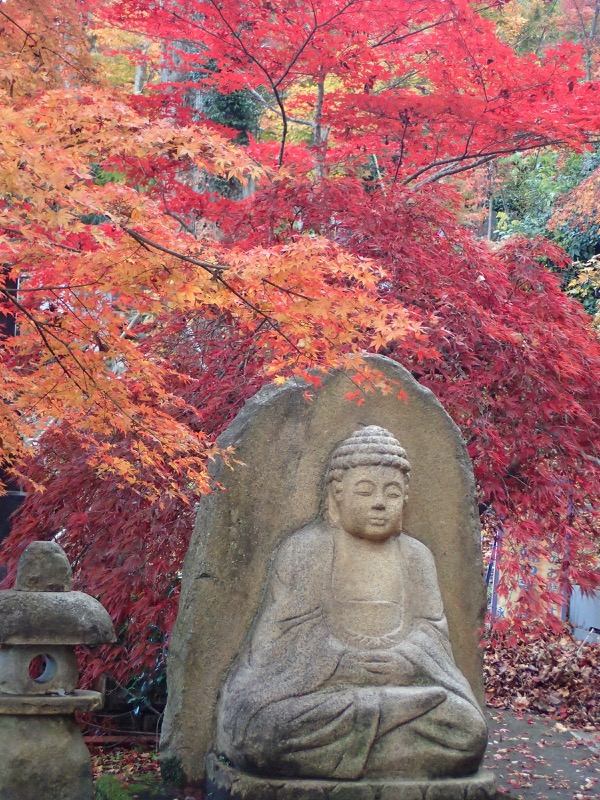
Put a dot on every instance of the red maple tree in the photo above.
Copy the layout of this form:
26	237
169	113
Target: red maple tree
350	240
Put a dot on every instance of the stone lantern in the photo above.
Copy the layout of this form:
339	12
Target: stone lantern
42	752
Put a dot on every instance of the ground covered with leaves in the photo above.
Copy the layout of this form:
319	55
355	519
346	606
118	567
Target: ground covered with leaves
558	677
123	772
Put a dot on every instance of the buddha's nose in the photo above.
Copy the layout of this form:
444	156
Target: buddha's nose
379	503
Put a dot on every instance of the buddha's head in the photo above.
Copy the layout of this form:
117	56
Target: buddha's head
367	484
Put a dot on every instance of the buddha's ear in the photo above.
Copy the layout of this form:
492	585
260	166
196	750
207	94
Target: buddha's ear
333	492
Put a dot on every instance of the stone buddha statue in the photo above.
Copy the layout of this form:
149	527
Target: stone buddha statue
348	671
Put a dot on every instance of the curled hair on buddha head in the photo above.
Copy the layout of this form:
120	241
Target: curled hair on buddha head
371	446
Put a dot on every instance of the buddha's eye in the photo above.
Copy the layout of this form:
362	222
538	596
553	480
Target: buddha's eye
393	492
364	488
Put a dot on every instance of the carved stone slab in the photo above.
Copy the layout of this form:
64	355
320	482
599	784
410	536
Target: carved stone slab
225	783
284	444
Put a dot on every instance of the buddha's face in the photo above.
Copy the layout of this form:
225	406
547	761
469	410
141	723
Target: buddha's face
368	502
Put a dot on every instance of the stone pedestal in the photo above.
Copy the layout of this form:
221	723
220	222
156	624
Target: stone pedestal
44	756
223	782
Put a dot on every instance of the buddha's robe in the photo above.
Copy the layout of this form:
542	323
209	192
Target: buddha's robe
293	705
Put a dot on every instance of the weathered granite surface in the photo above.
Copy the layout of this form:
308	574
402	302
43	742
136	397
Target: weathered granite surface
278	490
49	704
53	617
61	674
44	567
42	752
43	758
348	671
223	782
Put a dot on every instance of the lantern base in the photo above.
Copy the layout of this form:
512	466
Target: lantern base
43	757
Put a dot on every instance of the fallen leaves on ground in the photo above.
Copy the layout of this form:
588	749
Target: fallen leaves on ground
536	758
137	771
559	677
127	762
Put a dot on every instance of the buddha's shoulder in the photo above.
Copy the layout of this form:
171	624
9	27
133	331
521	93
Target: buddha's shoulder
302	544
415	550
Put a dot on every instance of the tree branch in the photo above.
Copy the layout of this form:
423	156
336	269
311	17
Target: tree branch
275	110
210	267
214	270
39	326
385	41
485	156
